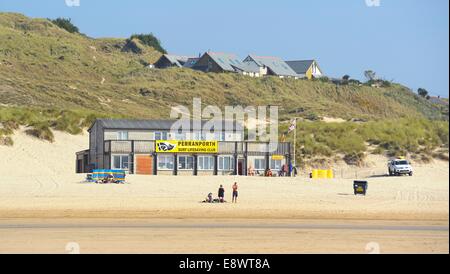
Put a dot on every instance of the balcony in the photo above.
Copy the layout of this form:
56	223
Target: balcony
148	147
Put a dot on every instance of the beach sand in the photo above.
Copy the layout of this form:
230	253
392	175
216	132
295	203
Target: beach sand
39	186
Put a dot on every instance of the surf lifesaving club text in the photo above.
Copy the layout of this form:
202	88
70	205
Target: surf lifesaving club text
187	146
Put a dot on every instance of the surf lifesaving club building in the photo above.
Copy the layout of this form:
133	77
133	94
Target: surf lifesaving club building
148	147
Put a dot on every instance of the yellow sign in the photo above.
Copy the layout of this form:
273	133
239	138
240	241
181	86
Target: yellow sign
187	146
277	157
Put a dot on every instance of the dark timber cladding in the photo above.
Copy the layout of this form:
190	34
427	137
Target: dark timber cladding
148	147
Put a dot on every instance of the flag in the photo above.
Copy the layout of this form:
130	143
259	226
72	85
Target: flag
293	125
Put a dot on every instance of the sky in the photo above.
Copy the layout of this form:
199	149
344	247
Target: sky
406	41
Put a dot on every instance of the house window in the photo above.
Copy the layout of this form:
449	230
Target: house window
165	162
120	162
260	164
205	163
226	163
185	162
275	164
161	136
122	135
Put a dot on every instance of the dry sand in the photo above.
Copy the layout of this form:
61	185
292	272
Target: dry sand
39	185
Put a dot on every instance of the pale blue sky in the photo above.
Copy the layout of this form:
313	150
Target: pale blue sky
402	40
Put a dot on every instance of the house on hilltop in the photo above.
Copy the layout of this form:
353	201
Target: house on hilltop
254	66
306	68
217	62
438	100
168	60
250	69
270	66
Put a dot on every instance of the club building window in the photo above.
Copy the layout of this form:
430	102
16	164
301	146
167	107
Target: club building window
122	135
204	136
275	164
197	136
185	162
205	163
120	162
260	164
161	136
226	163
165	162
219	136
180	136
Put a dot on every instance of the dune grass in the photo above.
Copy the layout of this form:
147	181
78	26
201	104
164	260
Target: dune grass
418	138
39	122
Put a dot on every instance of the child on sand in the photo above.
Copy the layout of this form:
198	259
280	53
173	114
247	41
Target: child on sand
209	198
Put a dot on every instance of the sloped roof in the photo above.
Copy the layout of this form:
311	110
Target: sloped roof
130	124
226	61
191	62
177	59
300	66
438	100
248	67
275	64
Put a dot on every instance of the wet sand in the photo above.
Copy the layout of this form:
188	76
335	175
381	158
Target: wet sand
219	236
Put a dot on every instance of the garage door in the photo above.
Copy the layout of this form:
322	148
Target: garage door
144	164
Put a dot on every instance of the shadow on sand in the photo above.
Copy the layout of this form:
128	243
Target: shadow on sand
379	176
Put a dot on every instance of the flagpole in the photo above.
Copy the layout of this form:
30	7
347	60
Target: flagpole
295	143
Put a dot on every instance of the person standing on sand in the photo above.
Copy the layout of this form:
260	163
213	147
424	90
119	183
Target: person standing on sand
235	192
285	170
295	171
221	193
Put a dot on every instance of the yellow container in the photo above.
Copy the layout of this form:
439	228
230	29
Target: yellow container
315	174
323	174
330	174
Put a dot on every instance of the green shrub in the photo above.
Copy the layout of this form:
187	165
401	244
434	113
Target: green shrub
355	158
69	122
65	23
149	40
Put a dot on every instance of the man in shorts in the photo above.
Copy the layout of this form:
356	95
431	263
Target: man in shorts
235	192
